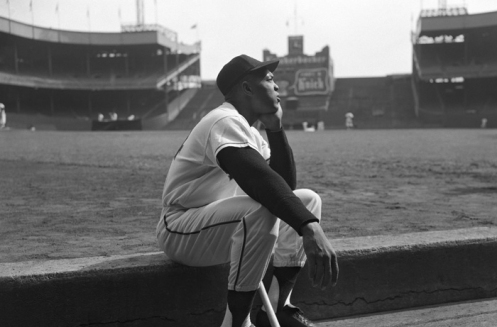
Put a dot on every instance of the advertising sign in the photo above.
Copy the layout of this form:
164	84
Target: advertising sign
305	81
312	81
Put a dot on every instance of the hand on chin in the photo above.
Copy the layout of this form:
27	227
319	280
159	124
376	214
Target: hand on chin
272	120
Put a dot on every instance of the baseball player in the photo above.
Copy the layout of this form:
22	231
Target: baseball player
3	116
230	196
349	123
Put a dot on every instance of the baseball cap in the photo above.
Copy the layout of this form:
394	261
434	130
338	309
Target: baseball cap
238	68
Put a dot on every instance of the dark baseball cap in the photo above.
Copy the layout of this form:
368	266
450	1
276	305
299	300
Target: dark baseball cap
238	68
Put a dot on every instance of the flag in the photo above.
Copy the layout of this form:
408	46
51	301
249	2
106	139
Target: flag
87	11
193	26
57	7
31	5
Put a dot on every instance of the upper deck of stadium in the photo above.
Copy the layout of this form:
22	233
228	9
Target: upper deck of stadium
455	44
432	26
136	72
156	34
147	57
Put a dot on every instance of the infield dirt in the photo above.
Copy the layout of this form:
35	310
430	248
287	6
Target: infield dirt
82	194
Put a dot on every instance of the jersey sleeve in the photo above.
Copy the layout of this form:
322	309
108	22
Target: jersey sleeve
230	132
265	150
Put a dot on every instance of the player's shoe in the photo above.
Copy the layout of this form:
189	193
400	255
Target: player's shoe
289	316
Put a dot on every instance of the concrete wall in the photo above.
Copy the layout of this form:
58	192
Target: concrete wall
377	273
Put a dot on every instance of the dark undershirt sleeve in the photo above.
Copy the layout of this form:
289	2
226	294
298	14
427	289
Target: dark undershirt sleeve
251	172
281	160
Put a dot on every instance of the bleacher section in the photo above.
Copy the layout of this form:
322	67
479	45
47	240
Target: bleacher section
375	102
378	102
455	70
83	76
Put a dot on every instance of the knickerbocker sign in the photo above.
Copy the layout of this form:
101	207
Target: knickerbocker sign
302	75
312	81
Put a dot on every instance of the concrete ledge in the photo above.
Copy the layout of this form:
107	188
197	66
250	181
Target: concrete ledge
377	274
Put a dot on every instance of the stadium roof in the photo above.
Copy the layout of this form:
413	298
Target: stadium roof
161	36
454	25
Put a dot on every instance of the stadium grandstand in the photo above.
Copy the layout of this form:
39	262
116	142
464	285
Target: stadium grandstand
375	102
455	68
56	79
139	78
310	93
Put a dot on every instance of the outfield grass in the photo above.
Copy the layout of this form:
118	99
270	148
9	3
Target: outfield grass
75	194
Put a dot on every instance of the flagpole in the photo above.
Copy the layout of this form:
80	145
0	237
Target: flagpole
58	20
195	26
58	15
89	22
32	18
88	16
8	6
119	16
156	20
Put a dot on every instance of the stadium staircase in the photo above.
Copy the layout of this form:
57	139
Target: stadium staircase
176	72
207	98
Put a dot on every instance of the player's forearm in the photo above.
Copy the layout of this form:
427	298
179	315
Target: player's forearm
265	186
282	160
272	192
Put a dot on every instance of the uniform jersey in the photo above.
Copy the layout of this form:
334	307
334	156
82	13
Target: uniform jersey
195	178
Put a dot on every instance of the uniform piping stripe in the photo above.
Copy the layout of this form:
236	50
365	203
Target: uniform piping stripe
198	231
243	250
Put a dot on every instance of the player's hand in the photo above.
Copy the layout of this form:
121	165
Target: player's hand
272	121
321	257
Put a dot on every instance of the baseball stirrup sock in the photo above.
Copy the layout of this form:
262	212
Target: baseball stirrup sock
228	319
286	278
239	306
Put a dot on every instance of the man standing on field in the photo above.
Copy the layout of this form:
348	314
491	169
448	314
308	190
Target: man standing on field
3	116
229	196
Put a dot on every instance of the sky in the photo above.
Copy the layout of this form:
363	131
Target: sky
366	37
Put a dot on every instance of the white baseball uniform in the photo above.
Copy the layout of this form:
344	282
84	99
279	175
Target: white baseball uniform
207	219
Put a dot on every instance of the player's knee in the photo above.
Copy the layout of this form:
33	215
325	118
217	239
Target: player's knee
268	221
311	200
308	196
263	223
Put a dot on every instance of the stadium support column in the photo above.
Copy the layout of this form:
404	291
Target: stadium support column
18	101
90	109
126	64
166	99
88	72
16	59
52	107
49	55
177	75
128	104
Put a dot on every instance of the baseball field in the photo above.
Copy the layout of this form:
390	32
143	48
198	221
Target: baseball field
82	194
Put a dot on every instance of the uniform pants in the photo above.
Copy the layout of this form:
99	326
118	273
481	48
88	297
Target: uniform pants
238	230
